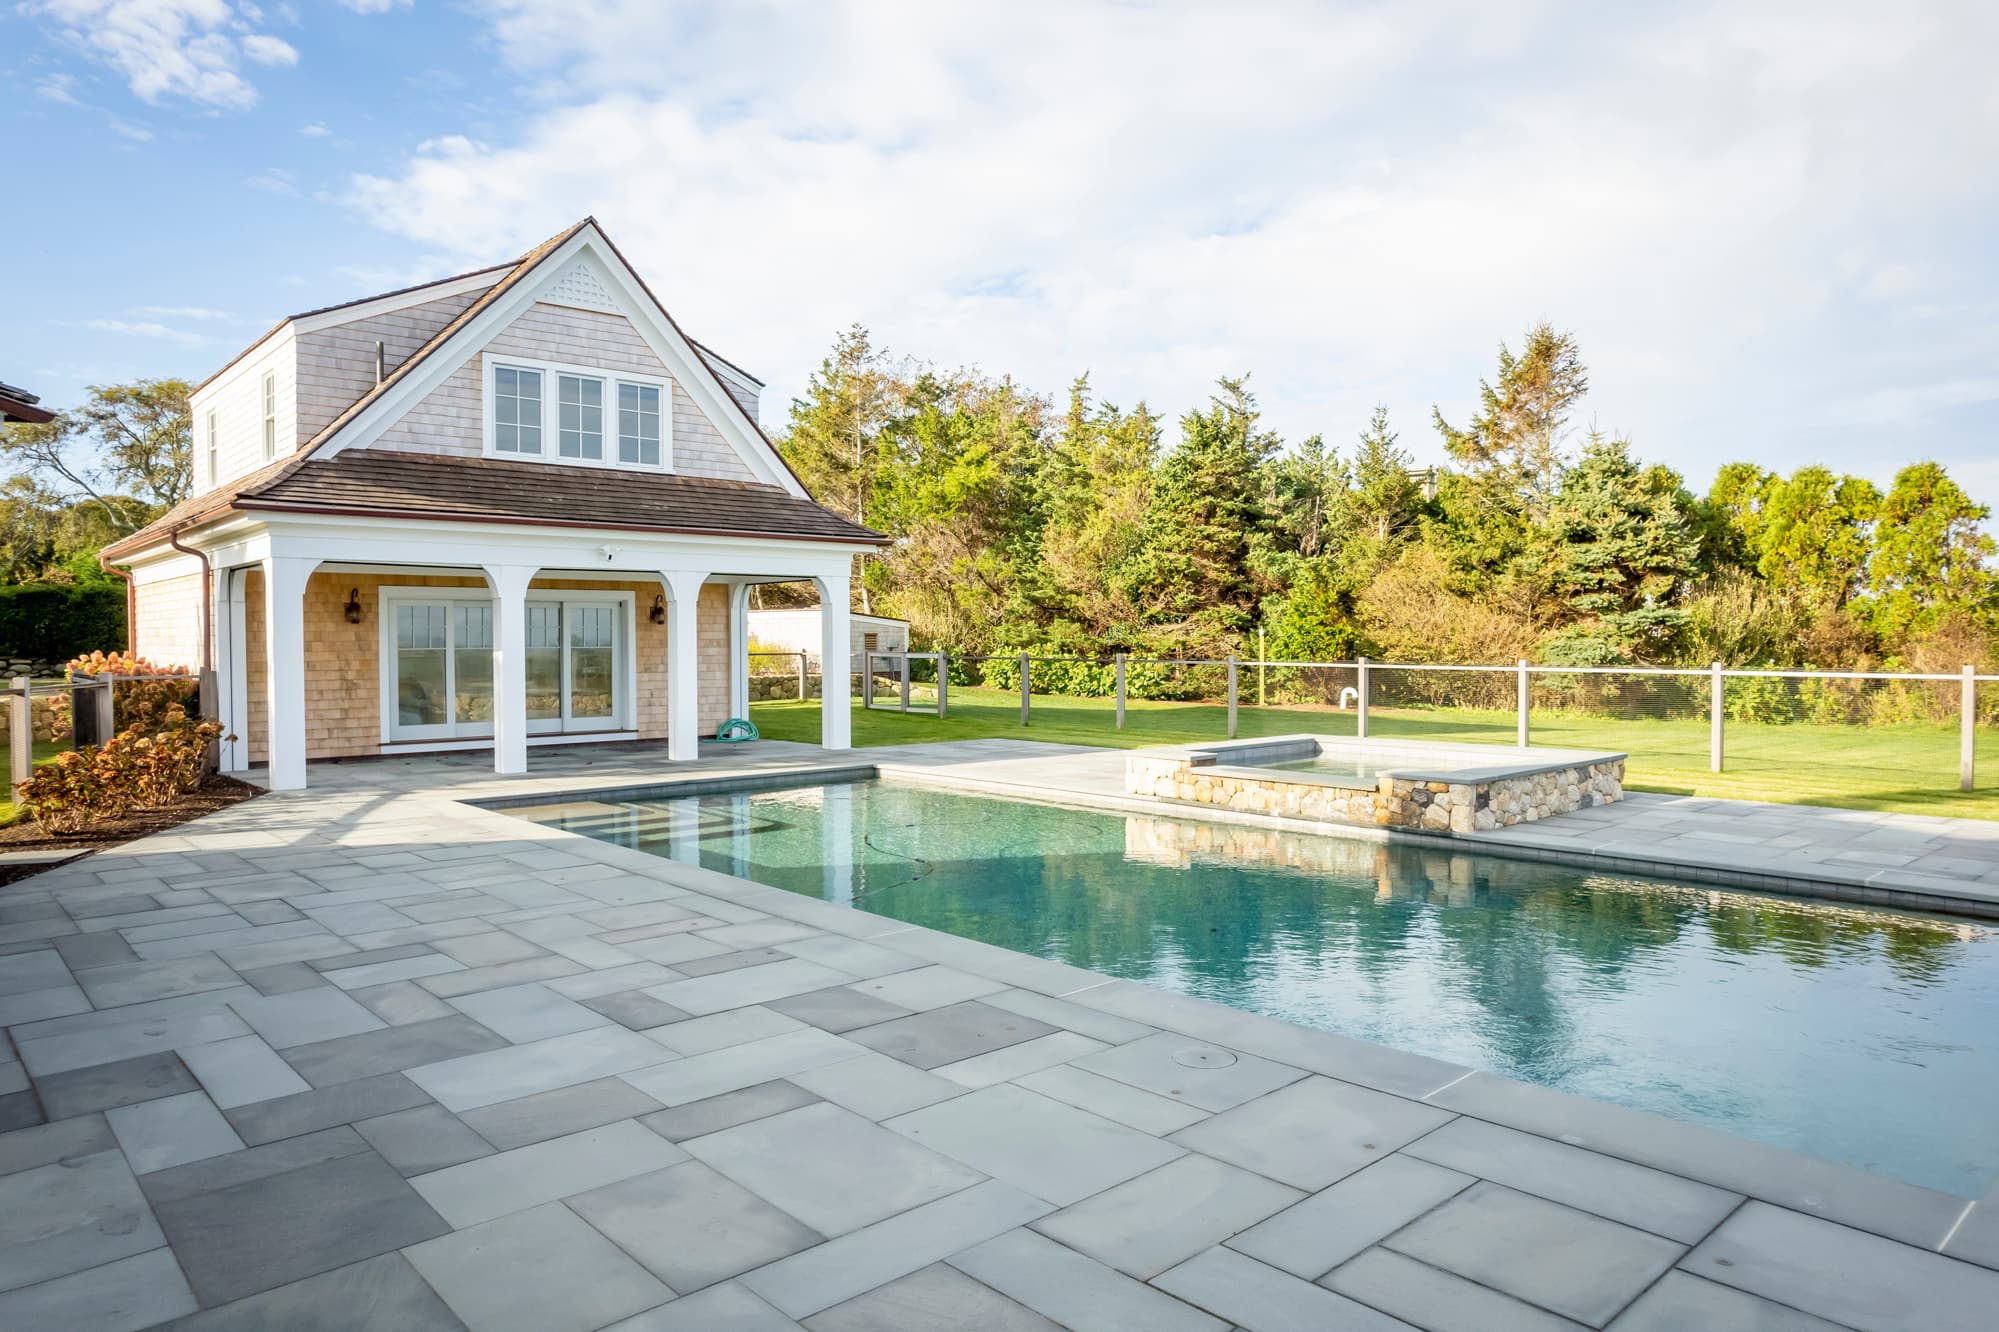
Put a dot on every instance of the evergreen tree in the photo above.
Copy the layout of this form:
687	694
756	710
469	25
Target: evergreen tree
1386	499
1930	554
1516	437
1815	532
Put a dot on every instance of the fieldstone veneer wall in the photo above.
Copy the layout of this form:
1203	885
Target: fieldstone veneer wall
1397	802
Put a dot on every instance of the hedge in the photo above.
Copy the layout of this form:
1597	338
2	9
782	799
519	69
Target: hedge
54	622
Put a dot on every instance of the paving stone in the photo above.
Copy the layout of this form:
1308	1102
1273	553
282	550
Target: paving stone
541	1270
241	1070
738	1026
283	978
268	912
715	1113
305	1017
489	948
623	977
354	918
1262	1299
1336	1223
829	1167
1051	1150
1678	1301
749	985
474	979
427	1138
531	1012
324	1107
698	1077
1428	1298
252	1163
948	1034
728	1307
382	1292
670	949
760	933
877	1086
1160	1064
369	956
19	1110
1844	1275
82	1091
692	1226
634	1010
94	950
1077	1292
391	1049
862	1260
121	1296
68	1215
250	1237
140	982
1141	1109
42	969
1166	1216
1312	1133
934	1297
856	957
929	987
427	964
1017	1061
736	961
555	1114
1577	1265
1649	1199
838	1009
514	1071
102	1038
1105	1027
45	1144
37	1005
400	1003
526	1177
171	1131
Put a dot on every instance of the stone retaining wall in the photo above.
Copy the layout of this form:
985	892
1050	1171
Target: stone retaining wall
1396	802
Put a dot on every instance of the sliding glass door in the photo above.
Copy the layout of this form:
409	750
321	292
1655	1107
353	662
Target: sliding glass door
438	665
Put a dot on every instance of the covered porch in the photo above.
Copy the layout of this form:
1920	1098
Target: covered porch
335	642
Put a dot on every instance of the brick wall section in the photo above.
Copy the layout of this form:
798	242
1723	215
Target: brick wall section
170	621
343	672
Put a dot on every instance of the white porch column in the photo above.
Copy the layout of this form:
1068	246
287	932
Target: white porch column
683	664
510	666
284	667
836	650
739	649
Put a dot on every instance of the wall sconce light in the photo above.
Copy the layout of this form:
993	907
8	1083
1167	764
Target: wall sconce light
658	613
354	605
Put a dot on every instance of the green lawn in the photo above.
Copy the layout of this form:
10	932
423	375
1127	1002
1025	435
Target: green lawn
1908	769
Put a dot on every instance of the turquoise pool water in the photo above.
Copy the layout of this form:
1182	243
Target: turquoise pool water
1861	1035
1338	766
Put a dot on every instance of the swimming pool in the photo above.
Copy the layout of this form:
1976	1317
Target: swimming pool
1863	1035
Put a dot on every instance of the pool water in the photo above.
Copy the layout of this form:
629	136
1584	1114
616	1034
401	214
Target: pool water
1866	1036
1338	766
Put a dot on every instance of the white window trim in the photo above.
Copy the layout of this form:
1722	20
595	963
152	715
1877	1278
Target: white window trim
267	389
214	453
624	718
551	418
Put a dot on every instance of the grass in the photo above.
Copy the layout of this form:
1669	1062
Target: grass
1906	769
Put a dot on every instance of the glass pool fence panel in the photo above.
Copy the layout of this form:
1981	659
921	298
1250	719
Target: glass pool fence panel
900	682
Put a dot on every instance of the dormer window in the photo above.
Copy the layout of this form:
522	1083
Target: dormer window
571	414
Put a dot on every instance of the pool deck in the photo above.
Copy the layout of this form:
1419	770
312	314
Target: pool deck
370	1056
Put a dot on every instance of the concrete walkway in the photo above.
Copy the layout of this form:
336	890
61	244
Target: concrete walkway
367	1056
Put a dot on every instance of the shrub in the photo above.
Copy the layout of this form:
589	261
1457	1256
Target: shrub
140	703
56	621
144	766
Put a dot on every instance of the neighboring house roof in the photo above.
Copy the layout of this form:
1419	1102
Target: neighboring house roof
18	404
383	483
457	489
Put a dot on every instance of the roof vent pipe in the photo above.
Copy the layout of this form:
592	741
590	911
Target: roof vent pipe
381	363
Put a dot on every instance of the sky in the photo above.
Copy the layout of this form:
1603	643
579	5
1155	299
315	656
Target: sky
1770	226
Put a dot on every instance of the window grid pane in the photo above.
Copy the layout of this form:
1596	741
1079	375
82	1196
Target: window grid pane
581	403
516	410
638	424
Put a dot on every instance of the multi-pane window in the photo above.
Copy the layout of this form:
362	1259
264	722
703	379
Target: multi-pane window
544	662
580	429
422	666
638	424
214	453
270	415
516	410
592	640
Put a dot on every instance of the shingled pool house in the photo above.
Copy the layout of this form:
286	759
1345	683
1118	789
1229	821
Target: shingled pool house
511	508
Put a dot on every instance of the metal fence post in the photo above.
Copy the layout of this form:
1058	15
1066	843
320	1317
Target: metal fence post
1967	727
1261	667
867	680
1120	690
905	682
21	730
943	682
1521	690
1232	694
801	677
107	723
1360	700
1714	716
1023	689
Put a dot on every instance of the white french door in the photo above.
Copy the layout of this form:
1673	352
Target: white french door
438	665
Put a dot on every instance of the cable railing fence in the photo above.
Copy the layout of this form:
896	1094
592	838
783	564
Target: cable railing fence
1735	719
43	718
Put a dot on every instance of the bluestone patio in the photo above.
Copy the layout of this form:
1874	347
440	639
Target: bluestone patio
368	1055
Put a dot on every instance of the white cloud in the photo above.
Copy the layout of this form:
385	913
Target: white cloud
374	6
276	180
180	312
58	88
189	49
147	328
125	129
1358	204
316	130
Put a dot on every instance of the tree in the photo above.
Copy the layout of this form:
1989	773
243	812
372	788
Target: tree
1930	556
1385	498
1516	437
1314	620
1815	532
833	442
1731	516
128	442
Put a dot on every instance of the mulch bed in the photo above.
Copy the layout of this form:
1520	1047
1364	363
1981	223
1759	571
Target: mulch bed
215	792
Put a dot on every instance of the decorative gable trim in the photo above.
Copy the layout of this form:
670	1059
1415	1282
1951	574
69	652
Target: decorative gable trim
578	287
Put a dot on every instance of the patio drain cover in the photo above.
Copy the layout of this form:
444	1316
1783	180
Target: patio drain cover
1205	1056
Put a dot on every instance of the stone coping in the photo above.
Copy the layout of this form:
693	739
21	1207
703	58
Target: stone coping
1422	756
